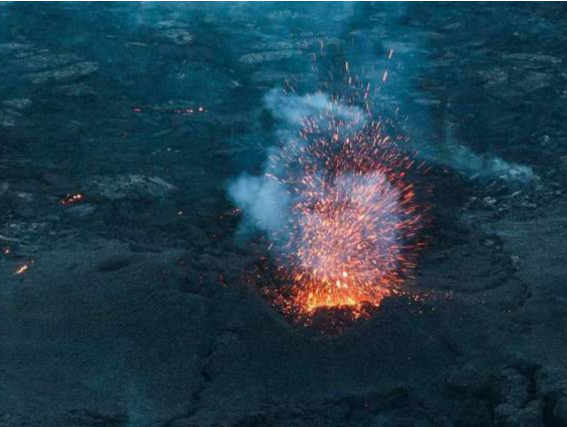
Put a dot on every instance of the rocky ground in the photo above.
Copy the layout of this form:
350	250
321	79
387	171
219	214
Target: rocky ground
122	294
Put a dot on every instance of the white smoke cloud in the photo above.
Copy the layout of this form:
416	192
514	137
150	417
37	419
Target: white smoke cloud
264	201
292	109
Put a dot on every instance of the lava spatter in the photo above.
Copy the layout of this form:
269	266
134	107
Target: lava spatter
351	235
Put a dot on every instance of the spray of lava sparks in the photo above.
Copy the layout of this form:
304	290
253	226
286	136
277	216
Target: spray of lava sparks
351	235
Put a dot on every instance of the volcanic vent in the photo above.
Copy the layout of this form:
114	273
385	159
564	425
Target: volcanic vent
336	205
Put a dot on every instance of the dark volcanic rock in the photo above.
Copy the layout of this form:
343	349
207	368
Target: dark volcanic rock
129	187
131	295
73	71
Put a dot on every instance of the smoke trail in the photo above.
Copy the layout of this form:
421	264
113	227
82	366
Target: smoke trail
264	201
467	162
473	165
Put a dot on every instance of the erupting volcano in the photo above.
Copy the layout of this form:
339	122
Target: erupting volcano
351	232
346	239
347	232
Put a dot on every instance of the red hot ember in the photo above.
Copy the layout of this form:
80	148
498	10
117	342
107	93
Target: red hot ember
72	198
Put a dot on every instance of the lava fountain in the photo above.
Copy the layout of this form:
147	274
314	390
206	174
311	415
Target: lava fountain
350	222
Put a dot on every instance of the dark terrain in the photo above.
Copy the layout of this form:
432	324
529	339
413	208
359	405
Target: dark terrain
133	310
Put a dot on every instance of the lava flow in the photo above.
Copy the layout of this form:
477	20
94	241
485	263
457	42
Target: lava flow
351	237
